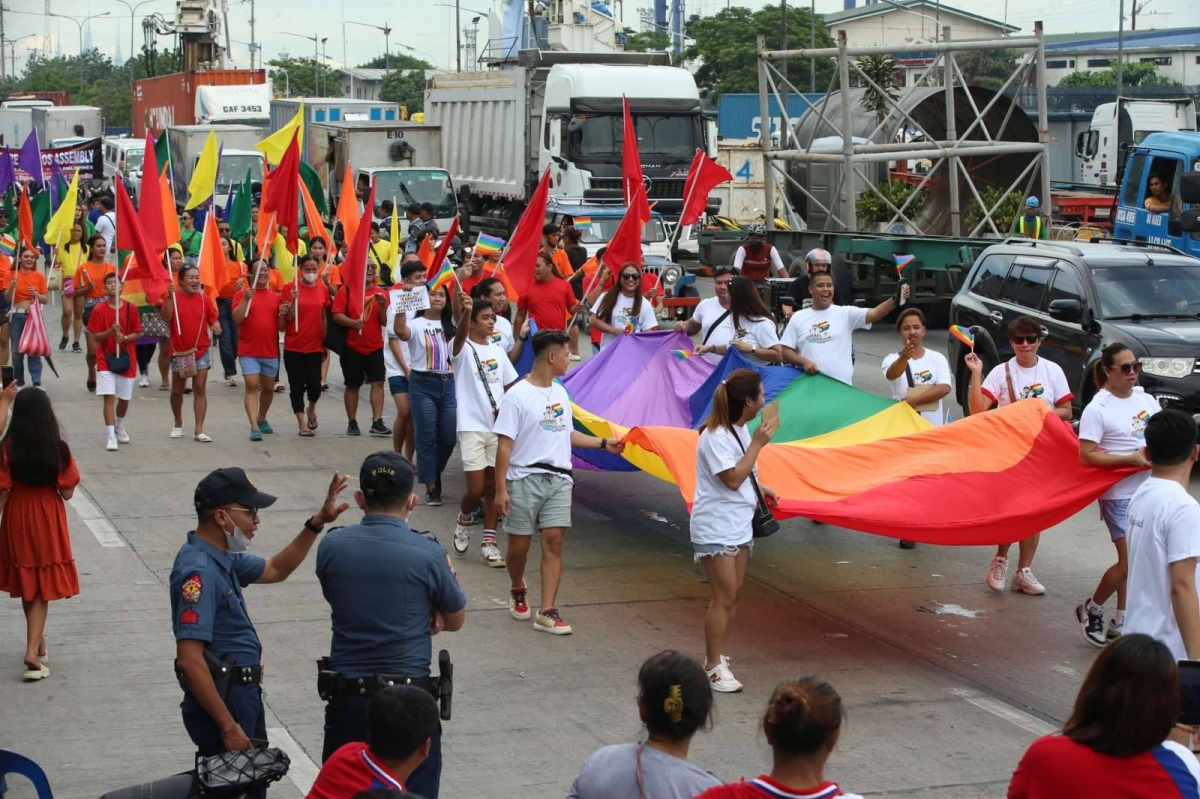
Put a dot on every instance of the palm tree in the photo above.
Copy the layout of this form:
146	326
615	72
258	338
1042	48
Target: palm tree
880	68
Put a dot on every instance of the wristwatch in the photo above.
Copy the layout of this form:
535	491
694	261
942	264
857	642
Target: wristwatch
311	527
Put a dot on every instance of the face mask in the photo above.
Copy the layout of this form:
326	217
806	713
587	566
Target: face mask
756	245
237	540
310	278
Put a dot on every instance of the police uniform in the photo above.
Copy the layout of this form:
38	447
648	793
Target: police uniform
382	582
207	604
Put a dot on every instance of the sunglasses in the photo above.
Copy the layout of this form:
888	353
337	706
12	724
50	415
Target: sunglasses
629	276
1130	368
1025	339
253	512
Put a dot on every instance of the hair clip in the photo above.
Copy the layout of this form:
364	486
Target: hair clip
673	704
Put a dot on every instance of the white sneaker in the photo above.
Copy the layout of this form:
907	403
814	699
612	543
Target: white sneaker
144	382
462	538
1114	630
1024	582
112	444
997	573
122	436
176	432
489	553
722	679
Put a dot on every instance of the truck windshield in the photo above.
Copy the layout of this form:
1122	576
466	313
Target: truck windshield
233	170
1129	291
431	186
601	231
133	159
660	136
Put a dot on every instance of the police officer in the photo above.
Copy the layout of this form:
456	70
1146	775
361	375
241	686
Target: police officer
389	591
218	654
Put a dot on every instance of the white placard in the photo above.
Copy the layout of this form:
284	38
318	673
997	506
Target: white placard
409	301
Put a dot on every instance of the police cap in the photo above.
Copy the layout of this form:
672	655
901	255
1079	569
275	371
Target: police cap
229	486
386	476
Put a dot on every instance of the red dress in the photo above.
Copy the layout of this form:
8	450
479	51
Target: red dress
35	543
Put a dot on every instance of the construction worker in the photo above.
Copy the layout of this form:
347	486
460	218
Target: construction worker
1031	224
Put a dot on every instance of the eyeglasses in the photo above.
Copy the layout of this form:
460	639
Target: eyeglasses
629	276
1130	368
253	512
1025	339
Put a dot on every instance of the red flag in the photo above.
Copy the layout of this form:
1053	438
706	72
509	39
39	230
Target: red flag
212	258
149	268
626	244
283	192
25	218
150	206
526	241
443	249
703	176
631	168
354	268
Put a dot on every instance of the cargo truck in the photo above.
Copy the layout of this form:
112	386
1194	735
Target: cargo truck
60	125
166	100
186	142
402	160
501	129
1126	122
1175	159
318	110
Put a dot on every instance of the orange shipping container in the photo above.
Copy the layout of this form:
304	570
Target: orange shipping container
171	99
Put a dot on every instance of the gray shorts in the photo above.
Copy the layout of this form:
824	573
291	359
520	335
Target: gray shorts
1115	513
539	501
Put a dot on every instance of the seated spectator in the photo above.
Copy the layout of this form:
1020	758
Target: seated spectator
384	793
802	724
674	700
401	723
1114	743
1160	200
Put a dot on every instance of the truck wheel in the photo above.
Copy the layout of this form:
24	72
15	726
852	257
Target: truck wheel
684	313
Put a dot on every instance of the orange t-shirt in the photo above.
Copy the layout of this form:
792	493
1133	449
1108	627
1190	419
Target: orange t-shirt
561	262
335	274
28	283
5	272
275	281
234	271
94	278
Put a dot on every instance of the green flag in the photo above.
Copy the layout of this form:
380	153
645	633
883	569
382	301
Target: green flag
162	151
239	210
312	181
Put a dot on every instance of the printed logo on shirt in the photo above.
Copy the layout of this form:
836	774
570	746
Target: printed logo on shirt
191	589
495	337
740	333
818	333
1035	391
626	321
552	418
1139	425
491	368
924	376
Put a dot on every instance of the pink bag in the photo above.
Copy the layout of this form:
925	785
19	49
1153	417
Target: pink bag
34	340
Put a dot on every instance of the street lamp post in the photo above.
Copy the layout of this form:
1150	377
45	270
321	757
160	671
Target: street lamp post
132	14
386	47
316	57
12	51
80	23
458	27
324	58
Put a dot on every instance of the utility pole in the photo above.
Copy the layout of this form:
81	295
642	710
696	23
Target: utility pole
812	44
1120	49
458	36
2	73
251	34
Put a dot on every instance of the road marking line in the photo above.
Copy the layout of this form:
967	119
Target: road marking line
1020	718
103	529
302	772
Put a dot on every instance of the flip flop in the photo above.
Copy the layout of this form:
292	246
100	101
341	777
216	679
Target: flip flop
306	433
202	438
164	387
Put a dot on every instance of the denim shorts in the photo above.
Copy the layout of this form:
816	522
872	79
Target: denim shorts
398	384
203	363
267	367
714	550
1114	513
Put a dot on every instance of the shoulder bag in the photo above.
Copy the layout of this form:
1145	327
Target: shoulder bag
925	407
486	387
118	363
1012	394
764	523
184	363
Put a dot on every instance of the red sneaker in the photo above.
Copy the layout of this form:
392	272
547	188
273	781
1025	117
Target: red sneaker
548	621
518	602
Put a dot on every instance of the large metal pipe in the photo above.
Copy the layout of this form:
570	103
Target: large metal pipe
847	134
1043	113
1015	43
764	133
951	134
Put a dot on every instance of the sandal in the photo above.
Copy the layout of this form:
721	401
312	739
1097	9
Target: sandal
306	433
33	675
164	387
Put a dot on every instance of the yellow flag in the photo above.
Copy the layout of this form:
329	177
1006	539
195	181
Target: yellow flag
274	146
204	176
58	230
394	240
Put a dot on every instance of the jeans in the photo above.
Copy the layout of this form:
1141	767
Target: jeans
348	724
228	339
16	326
434	421
145	354
303	377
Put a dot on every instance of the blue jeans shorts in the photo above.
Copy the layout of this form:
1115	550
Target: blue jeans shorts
1114	513
716	550
397	384
267	367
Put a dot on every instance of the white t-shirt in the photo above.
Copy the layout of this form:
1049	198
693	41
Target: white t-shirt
622	317
539	422
721	516
1163	527
390	364
503	334
931	369
1118	426
706	315
1045	381
428	349
757	332
825	338
474	410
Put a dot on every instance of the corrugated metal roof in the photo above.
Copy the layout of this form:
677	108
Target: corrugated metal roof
888	8
1167	38
364	74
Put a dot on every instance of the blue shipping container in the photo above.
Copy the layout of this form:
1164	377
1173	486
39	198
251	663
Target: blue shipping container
330	109
738	115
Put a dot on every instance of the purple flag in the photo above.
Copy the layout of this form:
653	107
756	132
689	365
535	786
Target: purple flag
8	176
56	181
30	159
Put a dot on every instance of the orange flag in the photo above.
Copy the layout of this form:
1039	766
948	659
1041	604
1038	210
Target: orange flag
25	218
212	258
425	252
312	218
267	232
170	218
347	208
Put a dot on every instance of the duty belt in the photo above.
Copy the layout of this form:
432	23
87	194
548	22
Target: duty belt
334	687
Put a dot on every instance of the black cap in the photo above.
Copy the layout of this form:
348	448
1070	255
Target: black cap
386	476
229	487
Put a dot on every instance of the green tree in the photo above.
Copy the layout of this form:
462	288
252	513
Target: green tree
90	79
879	99
1003	217
1134	74
647	41
396	61
871	210
305	78
405	87
987	68
726	43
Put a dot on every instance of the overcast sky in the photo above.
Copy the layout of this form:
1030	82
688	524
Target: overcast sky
429	28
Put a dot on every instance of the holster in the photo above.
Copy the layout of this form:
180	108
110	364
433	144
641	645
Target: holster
333	687
221	669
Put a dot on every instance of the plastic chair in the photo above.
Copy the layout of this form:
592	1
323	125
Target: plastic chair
14	763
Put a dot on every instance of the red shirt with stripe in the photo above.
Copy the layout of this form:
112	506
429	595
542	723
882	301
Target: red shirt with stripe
1055	767
351	769
763	787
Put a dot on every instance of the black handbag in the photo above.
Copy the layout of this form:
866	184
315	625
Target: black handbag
118	363
764	523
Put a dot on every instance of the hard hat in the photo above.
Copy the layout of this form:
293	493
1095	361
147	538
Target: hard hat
818	256
1033	202
758	230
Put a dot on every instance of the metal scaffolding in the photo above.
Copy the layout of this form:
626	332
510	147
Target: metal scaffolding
950	149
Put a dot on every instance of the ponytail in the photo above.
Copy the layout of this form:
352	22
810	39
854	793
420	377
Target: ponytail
730	398
1108	356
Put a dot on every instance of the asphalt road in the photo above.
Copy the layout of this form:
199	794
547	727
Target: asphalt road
946	683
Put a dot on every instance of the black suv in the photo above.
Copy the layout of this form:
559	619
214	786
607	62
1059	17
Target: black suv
1087	296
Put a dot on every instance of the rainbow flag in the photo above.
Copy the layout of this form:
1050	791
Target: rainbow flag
443	277
902	261
683	355
582	223
489	245
963	334
8	245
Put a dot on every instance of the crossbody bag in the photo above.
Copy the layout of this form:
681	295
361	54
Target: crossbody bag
715	325
118	364
924	407
764	522
184	363
486	387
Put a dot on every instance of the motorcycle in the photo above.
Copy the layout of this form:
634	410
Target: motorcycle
228	775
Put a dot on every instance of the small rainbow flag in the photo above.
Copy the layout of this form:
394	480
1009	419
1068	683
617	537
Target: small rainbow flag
443	277
582	223
8	245
489	245
964	335
682	355
903	261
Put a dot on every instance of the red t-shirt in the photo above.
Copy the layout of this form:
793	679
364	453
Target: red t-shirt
194	315
258	334
351	769
370	338
1055	767
549	304
764	787
103	317
310	310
